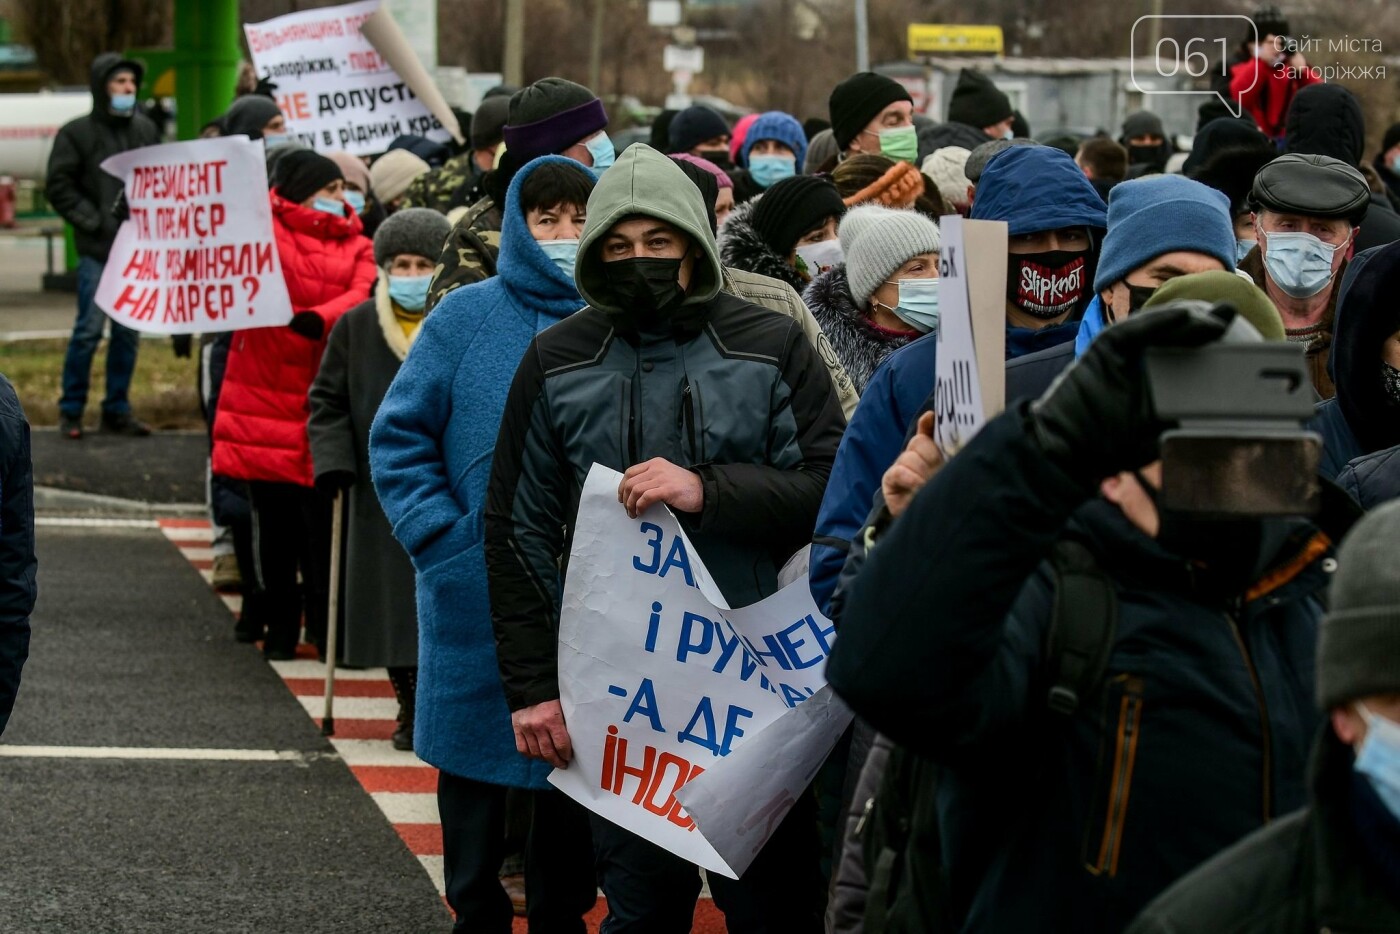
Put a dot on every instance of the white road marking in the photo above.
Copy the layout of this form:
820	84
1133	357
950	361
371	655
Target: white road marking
153	753
353	708
360	752
306	668
68	522
402	807
433	866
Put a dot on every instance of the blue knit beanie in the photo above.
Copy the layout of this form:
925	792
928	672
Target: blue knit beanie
1159	214
778	126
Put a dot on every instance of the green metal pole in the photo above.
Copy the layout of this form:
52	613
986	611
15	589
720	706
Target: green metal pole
207	54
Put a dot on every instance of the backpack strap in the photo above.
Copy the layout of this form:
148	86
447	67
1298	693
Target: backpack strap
1082	627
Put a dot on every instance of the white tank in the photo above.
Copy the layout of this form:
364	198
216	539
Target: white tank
28	124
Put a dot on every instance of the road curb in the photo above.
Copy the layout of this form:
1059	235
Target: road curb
51	501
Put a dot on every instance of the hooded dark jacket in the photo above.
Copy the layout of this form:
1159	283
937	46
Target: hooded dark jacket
1312	871
1198	735
1360	419
77	187
17	561
1326	120
731	390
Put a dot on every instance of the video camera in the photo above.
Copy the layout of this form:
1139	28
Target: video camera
1239	448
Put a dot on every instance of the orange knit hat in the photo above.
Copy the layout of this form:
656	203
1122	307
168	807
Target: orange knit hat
897	187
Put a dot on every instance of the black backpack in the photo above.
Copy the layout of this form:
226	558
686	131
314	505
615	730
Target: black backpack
900	840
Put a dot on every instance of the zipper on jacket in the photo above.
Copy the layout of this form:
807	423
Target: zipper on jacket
1265	731
688	420
1121	780
631	452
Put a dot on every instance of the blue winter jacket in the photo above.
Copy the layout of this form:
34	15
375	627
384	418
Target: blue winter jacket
430	452
17	561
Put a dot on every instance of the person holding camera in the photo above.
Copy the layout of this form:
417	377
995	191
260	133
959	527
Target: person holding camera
1270	72
1336	865
1111	691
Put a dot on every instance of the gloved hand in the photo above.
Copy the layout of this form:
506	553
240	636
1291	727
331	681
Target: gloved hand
308	324
181	344
1097	418
333	481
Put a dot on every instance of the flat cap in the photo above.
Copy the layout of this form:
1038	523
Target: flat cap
1313	186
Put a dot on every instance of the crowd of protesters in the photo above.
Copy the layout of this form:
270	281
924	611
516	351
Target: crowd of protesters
743	320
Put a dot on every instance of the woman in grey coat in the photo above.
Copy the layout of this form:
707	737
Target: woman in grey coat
362	357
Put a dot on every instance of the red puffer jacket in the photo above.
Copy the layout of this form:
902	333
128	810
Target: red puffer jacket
260	428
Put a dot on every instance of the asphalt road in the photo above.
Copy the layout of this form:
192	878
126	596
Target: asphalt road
131	649
166	467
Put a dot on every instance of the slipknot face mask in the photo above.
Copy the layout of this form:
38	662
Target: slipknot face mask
1047	285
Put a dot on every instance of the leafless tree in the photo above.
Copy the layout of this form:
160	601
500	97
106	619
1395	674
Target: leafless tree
67	35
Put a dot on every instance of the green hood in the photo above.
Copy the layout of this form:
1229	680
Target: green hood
645	182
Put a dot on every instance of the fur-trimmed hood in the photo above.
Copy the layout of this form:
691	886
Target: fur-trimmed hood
741	247
859	346
394	336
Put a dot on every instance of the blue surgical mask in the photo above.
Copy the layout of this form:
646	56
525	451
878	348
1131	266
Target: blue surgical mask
601	150
1379	758
1393	163
562	253
1298	263
410	292
273	140
123	103
355	200
918	303
1242	248
1008	133
330	206
766	170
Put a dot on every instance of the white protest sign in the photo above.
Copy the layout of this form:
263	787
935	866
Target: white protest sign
196	253
969	382
661	682
335	90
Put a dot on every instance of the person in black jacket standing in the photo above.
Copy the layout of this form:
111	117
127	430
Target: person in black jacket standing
1334	866
1070	810
85	196
718	408
17	561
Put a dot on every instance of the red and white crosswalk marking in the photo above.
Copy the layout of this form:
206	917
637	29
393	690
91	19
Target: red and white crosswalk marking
403	786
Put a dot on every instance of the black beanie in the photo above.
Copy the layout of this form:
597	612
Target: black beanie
793	206
693	126
302	173
1391	137
977	102
249	114
858	100
705	180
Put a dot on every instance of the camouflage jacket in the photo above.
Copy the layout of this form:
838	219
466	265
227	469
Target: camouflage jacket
469	255
453	185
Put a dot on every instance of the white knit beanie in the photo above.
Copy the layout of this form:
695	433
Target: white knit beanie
882	244
945	168
393	172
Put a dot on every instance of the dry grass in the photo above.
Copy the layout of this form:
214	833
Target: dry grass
164	389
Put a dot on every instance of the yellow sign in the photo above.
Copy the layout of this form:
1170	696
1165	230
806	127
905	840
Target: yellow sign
941	39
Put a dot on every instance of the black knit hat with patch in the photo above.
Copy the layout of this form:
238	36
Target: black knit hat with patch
302	173
858	100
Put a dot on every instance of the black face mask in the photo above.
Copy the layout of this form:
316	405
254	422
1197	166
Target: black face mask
720	158
1050	284
1390	379
1226	548
645	284
1149	155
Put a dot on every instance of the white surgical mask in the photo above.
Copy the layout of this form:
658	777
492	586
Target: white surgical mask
819	257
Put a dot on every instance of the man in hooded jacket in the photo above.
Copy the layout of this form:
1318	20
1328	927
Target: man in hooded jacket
712	405
85	195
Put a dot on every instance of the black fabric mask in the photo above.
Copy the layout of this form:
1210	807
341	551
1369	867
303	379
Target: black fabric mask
720	158
1227	549
1138	296
1390	379
645	284
1149	155
1050	284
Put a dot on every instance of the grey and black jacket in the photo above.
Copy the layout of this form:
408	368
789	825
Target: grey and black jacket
724	387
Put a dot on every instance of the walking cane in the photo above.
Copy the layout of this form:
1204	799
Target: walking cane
333	616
